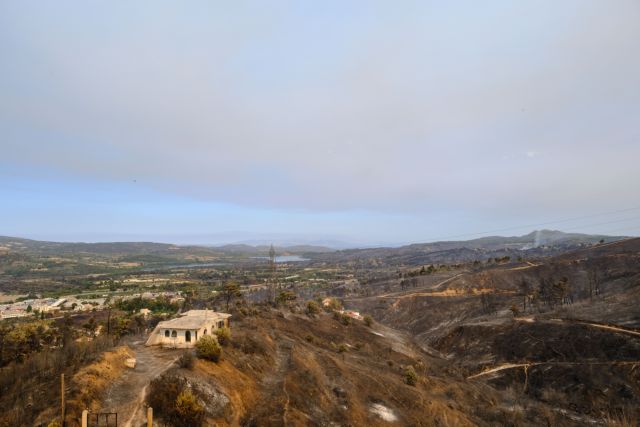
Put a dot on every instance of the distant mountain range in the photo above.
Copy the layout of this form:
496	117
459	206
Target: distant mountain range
535	241
17	244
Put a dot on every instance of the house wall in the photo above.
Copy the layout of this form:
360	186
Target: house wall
180	340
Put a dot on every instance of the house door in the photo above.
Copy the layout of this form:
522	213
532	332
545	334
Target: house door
187	336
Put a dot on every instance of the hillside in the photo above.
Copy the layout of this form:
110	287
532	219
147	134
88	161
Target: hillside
510	326
286	368
535	244
37	247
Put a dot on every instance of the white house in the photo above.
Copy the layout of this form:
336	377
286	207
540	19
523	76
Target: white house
186	330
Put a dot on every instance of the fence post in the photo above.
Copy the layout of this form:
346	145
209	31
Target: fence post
85	418
149	416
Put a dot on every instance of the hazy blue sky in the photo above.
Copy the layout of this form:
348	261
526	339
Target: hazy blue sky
367	122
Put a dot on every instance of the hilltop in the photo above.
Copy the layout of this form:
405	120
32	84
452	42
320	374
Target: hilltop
539	243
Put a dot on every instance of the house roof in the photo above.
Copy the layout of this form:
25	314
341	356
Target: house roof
193	319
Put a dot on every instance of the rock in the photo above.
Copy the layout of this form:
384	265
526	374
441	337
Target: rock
340	392
130	363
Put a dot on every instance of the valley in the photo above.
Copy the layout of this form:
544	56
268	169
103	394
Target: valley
516	340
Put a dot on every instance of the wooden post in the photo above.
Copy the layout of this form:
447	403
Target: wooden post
62	397
149	416
85	418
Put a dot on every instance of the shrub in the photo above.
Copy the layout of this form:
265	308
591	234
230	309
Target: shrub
190	412
514	310
410	376
342	348
223	335
284	297
368	320
342	318
312	308
163	392
208	348
175	402
186	360
249	344
54	423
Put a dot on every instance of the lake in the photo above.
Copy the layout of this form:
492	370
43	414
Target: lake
284	258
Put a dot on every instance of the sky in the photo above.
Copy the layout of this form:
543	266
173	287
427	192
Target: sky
337	122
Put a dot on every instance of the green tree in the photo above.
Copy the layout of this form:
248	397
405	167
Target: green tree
208	348
312	308
230	291
285	296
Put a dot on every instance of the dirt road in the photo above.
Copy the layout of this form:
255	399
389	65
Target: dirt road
126	395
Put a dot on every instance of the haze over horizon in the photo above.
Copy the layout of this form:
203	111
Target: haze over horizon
364	123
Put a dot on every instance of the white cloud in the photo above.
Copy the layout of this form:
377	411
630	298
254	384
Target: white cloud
255	108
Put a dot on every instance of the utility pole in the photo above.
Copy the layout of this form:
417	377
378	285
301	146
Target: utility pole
272	268
109	322
62	408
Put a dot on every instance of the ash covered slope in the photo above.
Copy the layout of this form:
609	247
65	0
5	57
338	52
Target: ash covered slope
284	368
579	345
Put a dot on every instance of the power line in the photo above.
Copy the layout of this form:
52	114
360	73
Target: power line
602	223
529	226
623	229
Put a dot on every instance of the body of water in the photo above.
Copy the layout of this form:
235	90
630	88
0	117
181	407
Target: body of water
284	258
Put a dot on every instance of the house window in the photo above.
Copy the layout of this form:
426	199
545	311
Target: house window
166	333
221	324
205	332
174	334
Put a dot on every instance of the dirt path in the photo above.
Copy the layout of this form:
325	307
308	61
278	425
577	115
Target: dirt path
528	365
126	395
501	368
275	384
423	291
612	328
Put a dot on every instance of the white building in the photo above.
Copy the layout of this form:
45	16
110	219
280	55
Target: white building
11	314
184	331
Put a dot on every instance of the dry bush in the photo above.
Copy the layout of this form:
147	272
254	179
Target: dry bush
186	360
552	395
622	418
368	320
410	376
249	344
